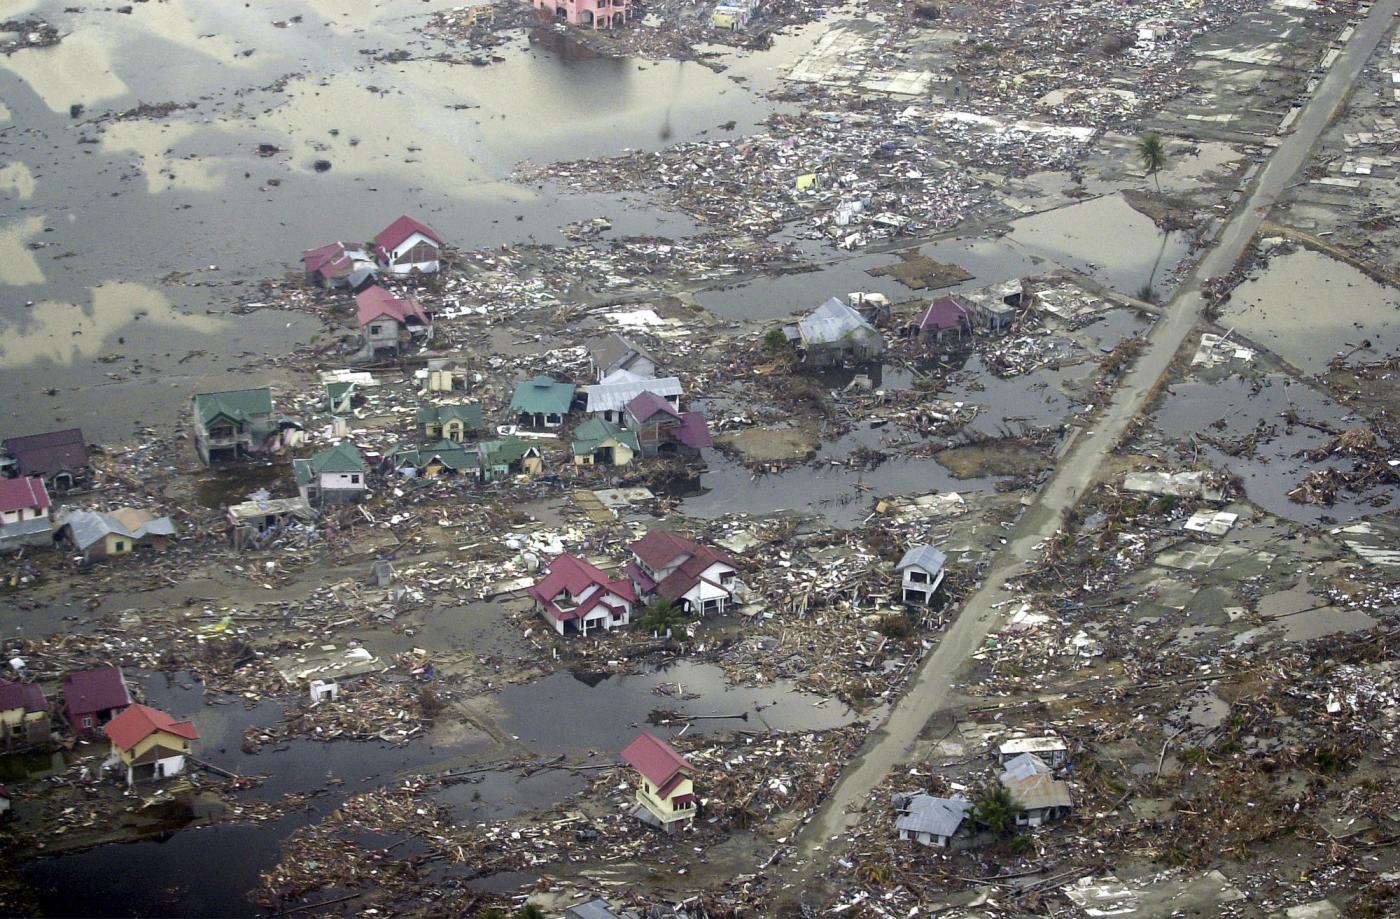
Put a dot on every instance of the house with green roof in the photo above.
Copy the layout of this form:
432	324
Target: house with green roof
601	443
331	476
233	423
542	402
454	421
340	397
443	458
509	456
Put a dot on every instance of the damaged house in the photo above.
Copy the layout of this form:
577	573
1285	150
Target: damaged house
254	522
602	443
834	334
24	514
98	535
950	317
542	403
333	476
443	458
24	714
613	354
663	430
1039	796
391	326
339	265
60	458
695	578
590	14
921	573
509	456
932	821
665	790
457	422
576	598
407	246
91	698
149	744
232	424
608	399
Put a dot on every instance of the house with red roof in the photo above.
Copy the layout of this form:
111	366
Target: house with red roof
665	791
576	598
339	265
662	429
391	325
407	246
24	714
24	513
693	577
91	698
150	743
948	316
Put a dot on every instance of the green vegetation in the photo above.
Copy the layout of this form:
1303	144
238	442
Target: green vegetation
996	809
662	616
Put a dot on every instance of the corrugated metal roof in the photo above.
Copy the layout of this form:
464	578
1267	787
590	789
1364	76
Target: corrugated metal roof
926	557
939	816
832	322
613	397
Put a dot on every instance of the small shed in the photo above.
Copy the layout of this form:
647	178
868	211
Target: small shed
1050	749
921	572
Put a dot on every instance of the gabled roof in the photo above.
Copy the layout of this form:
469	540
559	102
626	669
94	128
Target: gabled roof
926	814
141	721
648	405
832	322
27	696
395	233
947	313
656	760
448	452
542	394
49	453
335	260
343	457
616	352
1039	790
374	302
613	396
926	558
660	548
694	430
1024	766
573	574
240	405
88	691
87	527
469	413
594	432
23	493
505	451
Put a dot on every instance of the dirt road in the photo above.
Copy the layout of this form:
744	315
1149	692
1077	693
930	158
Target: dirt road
929	692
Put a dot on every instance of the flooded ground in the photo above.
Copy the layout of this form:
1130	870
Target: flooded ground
1308	308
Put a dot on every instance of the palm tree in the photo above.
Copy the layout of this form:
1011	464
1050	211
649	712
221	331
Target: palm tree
662	617
996	809
1153	152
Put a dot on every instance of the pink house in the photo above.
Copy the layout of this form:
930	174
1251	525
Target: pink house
591	14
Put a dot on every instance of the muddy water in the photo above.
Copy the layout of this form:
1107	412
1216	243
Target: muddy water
1231	409
418	135
1103	238
603	714
1307	308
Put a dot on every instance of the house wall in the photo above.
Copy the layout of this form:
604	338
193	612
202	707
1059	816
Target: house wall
341	486
592	14
20	727
417	252
157	739
22	514
382	334
664	808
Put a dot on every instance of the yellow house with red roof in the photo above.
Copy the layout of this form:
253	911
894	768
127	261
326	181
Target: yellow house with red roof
149	742
665	792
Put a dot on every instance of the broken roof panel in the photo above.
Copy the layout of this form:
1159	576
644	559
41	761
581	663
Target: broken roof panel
923	813
614	396
833	322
